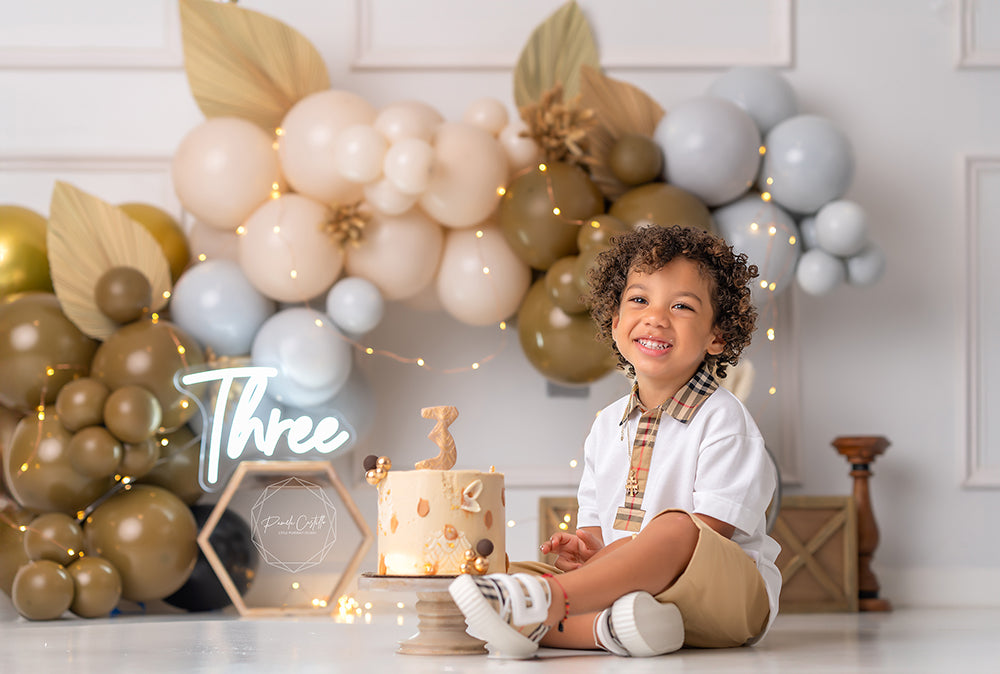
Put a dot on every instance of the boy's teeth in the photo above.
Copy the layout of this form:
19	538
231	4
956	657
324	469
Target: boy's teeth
653	345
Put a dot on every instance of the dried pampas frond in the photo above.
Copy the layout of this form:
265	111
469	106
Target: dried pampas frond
559	128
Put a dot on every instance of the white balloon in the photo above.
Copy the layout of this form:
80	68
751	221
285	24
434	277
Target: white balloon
486	113
408	119
819	272
383	196
766	96
407	165
358	153
867	267
842	228
355	305
522	151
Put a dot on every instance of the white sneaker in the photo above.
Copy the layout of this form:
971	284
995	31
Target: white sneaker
505	611
639	626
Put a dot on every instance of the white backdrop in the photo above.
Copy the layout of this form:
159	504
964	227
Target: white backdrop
95	94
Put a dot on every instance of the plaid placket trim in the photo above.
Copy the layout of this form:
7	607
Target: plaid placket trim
682	407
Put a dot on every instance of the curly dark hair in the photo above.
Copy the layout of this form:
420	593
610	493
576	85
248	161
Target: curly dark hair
650	248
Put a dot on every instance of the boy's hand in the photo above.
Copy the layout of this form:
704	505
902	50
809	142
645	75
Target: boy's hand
573	549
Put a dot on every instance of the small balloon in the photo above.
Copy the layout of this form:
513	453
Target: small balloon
635	159
561	284
582	266
487	113
80	403
139	458
521	149
842	228
765	95
867	267
132	414
818	272
355	305
383	196
176	470
358	153
54	536
42	590
598	230
97	587
94	452
123	294
408	119
407	165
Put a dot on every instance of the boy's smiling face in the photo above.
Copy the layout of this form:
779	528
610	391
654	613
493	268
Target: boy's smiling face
665	326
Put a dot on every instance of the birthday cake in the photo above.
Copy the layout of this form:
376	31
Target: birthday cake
435	521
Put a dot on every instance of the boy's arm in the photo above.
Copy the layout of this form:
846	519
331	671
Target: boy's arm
724	528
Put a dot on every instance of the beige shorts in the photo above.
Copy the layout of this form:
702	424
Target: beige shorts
721	595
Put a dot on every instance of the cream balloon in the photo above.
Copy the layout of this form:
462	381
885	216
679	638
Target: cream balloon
487	113
469	168
308	145
383	196
223	169
522	151
408	119
285	253
212	243
398	253
407	165
358	153
481	280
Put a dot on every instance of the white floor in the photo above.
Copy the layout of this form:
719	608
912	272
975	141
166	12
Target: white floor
953	641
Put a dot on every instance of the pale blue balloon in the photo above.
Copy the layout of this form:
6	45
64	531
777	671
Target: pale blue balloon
355	304
842	228
807	228
808	163
769	237
819	272
216	304
867	267
711	148
765	95
312	356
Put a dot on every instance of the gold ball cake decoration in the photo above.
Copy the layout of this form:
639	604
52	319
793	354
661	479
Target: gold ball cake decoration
476	560
376	468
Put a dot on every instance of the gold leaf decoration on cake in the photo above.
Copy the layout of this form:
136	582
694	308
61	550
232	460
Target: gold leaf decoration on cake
553	55
620	108
447	454
241	63
86	237
469	496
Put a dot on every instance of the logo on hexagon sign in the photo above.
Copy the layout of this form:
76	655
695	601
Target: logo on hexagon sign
293	524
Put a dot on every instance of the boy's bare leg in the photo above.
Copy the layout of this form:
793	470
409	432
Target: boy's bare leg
578	632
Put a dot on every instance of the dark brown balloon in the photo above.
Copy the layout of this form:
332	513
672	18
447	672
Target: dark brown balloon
559	345
12	554
40	472
80	403
139	458
42	590
536	234
40	350
560	283
149	354
598	230
635	159
97	587
132	414
177	468
54	536
664	205
149	535
123	294
94	452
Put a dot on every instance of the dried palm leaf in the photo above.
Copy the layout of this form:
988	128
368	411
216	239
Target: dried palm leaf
553	55
620	108
241	63
87	237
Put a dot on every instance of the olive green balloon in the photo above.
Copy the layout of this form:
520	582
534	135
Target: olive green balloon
40	350
560	283
584	263
139	458
177	468
559	345
94	452
149	354
12	554
54	536
42	590
97	587
123	294
167	232
534	231
662	204
40	471
149	535
24	264
132	413
80	403
635	159
598	230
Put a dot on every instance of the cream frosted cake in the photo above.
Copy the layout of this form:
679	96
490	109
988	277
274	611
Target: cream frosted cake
434	521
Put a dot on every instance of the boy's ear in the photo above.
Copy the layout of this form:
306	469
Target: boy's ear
717	345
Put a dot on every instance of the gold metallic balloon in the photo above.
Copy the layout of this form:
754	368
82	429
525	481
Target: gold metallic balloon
123	294
561	346
635	159
40	350
662	204
560	283
94	452
598	230
132	414
24	262
42	590
80	403
149	535
541	211
166	231
54	536
97	587
177	468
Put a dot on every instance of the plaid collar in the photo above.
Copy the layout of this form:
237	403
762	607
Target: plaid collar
683	404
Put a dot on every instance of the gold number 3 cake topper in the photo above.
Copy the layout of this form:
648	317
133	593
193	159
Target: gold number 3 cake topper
445	416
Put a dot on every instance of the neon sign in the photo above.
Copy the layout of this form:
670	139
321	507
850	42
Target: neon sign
246	426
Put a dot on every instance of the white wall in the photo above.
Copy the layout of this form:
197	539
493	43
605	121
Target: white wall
104	109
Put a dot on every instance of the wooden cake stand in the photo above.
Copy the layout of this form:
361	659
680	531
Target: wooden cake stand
440	625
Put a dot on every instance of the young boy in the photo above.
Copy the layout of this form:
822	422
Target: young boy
671	548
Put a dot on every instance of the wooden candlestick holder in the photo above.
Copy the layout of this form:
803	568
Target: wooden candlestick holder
861	452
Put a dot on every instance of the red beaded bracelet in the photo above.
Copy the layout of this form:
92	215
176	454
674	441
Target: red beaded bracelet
565	599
